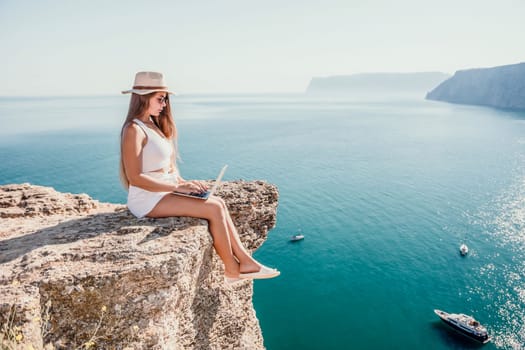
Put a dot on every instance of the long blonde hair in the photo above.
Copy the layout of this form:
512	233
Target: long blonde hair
138	106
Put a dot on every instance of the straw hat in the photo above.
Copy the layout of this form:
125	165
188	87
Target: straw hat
148	82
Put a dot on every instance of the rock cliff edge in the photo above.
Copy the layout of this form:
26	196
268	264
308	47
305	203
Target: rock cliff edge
499	87
77	273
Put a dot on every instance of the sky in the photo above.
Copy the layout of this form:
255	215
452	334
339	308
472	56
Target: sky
95	47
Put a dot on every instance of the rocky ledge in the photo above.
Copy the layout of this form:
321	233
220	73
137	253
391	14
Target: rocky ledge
77	273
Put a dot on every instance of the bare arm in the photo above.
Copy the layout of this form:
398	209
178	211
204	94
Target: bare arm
133	141
201	186
173	168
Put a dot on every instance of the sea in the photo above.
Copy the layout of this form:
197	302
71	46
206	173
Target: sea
384	189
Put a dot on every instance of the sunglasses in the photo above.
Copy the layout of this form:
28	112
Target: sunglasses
163	100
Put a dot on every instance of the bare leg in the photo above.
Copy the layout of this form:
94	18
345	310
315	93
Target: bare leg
246	261
213	211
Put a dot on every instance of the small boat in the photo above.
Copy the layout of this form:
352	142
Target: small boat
463	249
296	237
465	325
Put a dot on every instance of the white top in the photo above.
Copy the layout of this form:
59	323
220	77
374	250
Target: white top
157	151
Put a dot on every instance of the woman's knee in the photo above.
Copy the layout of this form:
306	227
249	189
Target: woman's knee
221	201
217	210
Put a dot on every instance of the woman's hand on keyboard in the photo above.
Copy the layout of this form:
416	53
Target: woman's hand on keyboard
202	186
187	187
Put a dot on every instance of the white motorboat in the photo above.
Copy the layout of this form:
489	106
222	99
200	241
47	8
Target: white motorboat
296	237
465	325
463	249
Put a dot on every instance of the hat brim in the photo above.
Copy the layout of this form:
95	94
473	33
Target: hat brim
145	92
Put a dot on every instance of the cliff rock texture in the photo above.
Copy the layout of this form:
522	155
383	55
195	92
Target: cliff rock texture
76	273
500	87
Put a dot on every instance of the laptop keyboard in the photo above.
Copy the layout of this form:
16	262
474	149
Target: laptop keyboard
200	195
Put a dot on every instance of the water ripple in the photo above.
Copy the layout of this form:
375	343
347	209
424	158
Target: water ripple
503	290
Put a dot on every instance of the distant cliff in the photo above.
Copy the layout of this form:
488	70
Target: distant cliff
500	87
76	273
376	82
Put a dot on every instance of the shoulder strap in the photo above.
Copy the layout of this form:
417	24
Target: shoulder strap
141	124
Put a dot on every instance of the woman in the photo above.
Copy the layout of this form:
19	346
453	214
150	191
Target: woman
148	170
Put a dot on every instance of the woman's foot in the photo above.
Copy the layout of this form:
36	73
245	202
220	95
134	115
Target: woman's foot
229	281
232	271
261	272
231	277
250	266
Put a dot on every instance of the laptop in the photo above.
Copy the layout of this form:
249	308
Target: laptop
207	194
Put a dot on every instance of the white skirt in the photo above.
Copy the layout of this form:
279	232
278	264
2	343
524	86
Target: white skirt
141	201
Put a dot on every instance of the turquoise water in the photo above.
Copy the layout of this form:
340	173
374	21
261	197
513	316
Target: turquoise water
384	190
